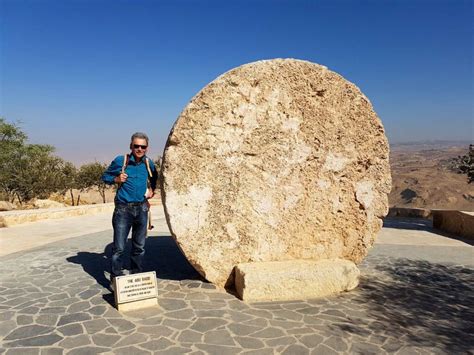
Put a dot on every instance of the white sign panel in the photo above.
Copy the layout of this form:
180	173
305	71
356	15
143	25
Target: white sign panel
135	287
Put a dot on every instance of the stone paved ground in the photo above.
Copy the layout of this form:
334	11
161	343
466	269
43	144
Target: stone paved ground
412	300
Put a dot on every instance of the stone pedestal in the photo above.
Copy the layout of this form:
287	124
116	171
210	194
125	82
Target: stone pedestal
294	279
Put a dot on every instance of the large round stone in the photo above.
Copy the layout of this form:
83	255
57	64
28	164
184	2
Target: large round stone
275	160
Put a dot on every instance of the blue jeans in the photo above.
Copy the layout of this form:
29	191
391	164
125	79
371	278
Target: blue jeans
126	216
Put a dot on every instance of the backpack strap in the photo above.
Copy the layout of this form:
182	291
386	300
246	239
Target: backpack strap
150	175
126	157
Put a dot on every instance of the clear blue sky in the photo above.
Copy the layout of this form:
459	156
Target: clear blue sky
83	75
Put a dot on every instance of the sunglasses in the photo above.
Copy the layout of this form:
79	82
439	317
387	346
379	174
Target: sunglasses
136	146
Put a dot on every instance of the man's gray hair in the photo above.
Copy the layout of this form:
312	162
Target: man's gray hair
139	135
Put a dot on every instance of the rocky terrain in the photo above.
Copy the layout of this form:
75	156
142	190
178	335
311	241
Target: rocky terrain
423	177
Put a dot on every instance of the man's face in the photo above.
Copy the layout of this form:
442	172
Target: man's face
139	147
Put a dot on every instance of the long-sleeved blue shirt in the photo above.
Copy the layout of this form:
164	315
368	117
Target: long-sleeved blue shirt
132	190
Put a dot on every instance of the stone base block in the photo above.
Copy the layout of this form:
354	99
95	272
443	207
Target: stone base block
294	279
132	306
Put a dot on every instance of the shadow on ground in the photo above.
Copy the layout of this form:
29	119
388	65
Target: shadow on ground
162	255
423	303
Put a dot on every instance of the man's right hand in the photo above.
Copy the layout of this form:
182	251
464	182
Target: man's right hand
121	178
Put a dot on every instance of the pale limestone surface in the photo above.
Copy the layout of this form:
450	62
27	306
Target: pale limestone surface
294	279
275	160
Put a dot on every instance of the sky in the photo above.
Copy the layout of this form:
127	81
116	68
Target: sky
83	75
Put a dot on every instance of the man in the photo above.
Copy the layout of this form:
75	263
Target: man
136	177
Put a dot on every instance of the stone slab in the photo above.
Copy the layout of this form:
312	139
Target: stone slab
132	306
275	160
294	279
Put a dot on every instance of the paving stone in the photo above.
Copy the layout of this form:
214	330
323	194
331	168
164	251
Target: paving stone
71	329
150	320
219	337
190	336
88	350
112	313
64	303
175	350
196	297
364	349
176	324
284	340
258	322
6	315
156	345
217	349
24	319
110	330
97	310
199	305
29	310
58	297
284	314
259	352
41	340
258	313
211	313
131	350
54	310
52	351
171	304
73	318
23	351
392	345
95	325
309	310
74	342
270	332
88	294
182	314
121	324
311	341
106	340
206	324
295	349
302	330
47	319
284	324
133	339
323	350
78	307
28	331
155	330
249	343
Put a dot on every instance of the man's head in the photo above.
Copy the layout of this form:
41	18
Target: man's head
139	145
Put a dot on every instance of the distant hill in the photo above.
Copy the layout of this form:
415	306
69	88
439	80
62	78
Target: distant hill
421	177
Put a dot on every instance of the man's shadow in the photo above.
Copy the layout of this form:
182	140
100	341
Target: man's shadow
162	255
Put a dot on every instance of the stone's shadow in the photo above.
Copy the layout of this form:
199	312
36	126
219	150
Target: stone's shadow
409	223
428	304
161	255
420	224
164	256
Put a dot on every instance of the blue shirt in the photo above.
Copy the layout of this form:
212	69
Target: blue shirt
132	190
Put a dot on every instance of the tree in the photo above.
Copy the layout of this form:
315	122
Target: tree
26	170
69	181
90	175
